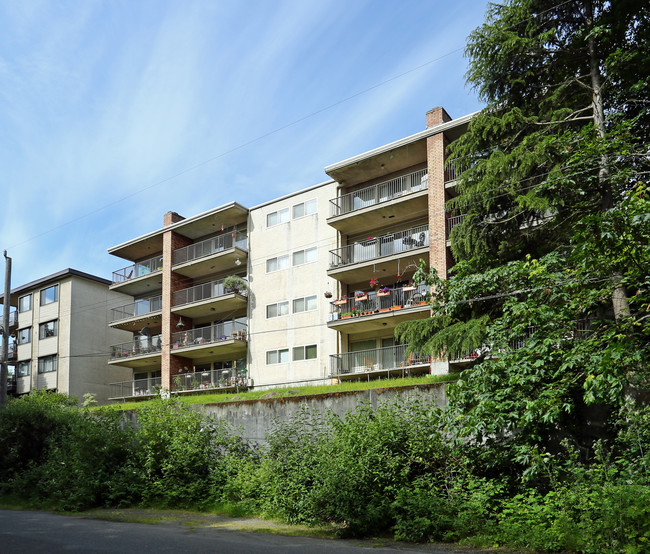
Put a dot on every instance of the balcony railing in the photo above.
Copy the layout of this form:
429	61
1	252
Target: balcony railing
377	359
381	192
12	351
379	247
139	307
215	333
137	387
453	221
209	379
137	270
205	291
211	246
140	346
377	302
13	319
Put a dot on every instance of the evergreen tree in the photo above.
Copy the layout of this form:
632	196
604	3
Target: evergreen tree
552	283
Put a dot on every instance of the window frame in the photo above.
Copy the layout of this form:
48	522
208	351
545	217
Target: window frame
29	337
278	216
42	360
305	299
311	249
277	306
43	295
42	329
303	349
20	301
276	260
278	353
28	364
309	207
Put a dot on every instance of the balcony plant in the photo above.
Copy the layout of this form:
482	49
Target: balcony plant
328	294
341	301
409	287
383	291
360	295
235	283
374	283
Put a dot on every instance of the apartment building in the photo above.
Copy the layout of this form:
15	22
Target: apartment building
389	213
306	288
59	338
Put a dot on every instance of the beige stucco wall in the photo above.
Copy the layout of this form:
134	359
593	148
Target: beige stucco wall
294	329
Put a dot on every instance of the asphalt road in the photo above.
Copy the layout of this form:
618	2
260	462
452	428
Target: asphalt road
44	532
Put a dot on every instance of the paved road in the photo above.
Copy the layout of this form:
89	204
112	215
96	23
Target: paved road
44	532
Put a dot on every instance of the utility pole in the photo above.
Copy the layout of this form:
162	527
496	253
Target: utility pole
4	370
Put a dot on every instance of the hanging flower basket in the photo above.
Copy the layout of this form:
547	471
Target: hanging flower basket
374	283
328	294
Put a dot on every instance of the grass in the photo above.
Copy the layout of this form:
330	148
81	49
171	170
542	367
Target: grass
216	397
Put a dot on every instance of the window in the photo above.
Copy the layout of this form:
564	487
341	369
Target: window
275	264
305	208
304	256
49	329
277	356
304	353
25	303
306	304
47	364
276	310
49	295
23	368
275	218
24	336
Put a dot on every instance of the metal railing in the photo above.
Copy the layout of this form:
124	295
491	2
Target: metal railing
381	192
13	319
137	270
137	387
139	346
12	351
453	169
215	333
453	221
377	359
377	302
139	307
213	289
211	246
379	247
209	379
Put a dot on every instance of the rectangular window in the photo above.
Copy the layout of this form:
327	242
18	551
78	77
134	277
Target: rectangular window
49	295
25	303
304	256
276	264
277	356
306	304
304	353
304	208
47	364
23	368
24	336
275	218
47	330
276	310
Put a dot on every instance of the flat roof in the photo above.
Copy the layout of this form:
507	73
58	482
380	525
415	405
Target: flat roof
54	277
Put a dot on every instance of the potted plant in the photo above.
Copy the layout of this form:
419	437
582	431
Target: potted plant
346	315
360	295
409	287
328	294
374	283
341	301
235	283
383	291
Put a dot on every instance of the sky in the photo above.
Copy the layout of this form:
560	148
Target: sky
116	112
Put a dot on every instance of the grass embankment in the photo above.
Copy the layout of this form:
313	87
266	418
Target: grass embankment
280	392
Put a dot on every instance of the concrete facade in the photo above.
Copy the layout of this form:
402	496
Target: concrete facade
61	337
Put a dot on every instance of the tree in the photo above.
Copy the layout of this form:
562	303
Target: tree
551	284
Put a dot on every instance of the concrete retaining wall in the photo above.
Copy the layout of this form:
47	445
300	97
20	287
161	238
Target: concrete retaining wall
255	418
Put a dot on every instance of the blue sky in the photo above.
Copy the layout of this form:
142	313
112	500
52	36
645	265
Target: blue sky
116	112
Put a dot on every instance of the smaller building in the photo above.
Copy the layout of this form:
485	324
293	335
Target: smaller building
59	336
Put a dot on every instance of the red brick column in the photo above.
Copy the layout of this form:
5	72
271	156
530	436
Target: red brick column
171	282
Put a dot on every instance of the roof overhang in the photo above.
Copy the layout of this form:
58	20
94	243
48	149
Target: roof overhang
394	156
194	227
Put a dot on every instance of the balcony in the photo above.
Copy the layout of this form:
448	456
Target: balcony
210	380
123	317
13	320
12	351
379	309
143	351
392	361
208	299
135	389
139	277
226	340
396	200
212	255
349	263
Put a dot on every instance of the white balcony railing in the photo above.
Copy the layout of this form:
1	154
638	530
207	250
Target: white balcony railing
143	306
138	269
379	193
377	359
211	246
139	346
